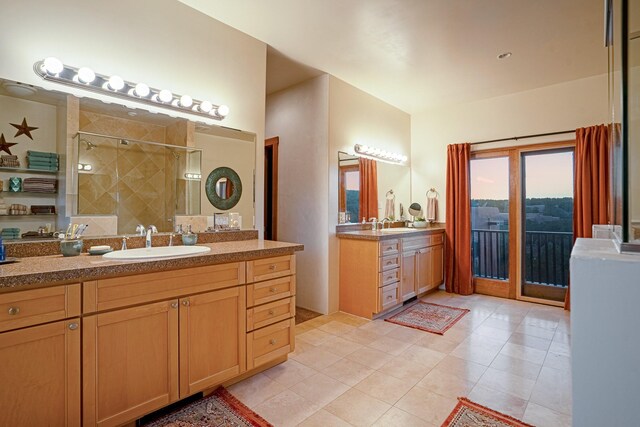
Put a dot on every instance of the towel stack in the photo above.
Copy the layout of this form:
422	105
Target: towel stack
18	209
10	233
3	208
39	185
42	161
9	161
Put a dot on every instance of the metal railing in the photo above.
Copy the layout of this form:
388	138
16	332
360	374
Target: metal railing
546	255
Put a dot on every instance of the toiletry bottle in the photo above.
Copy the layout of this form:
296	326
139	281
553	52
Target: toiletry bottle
2	250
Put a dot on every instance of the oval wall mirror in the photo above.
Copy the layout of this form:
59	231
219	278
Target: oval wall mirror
223	188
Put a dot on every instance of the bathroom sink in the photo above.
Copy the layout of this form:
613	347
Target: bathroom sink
157	252
398	230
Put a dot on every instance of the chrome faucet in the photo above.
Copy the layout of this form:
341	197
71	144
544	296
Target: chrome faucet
384	220
374	224
140	229
150	229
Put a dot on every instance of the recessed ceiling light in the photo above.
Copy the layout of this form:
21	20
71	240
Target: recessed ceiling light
504	55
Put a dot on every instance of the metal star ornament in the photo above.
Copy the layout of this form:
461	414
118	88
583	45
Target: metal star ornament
4	145
23	128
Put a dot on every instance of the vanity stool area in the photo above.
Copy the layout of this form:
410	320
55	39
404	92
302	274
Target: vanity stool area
93	342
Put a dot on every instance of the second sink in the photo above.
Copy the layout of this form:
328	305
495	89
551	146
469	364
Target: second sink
157	252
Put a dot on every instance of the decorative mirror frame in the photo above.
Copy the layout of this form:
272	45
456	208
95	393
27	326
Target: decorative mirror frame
210	188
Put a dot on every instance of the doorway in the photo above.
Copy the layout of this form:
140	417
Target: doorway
271	188
522	221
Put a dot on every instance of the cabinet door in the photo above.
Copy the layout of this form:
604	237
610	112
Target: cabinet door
423	270
212	339
437	269
130	363
40	375
408	280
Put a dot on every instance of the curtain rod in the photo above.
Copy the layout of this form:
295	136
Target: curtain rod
523	137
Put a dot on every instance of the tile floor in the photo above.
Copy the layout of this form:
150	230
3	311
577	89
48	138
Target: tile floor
508	355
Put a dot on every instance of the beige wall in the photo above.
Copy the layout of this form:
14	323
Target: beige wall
161	42
299	117
553	108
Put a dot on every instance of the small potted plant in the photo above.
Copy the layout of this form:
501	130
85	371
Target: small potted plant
419	222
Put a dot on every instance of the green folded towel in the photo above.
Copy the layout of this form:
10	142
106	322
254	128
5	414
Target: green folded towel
41	154
41	163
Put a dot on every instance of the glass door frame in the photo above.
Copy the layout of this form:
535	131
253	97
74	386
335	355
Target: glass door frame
513	290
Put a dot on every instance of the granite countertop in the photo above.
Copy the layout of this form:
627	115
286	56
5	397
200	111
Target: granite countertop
386	235
55	269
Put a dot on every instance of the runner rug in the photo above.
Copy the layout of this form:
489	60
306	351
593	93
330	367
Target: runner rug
429	317
470	414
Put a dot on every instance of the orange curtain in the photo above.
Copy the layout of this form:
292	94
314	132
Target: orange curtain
368	188
590	183
458	223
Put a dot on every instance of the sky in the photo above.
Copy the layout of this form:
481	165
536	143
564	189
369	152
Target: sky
547	175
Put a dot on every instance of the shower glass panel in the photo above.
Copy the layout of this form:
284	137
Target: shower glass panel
139	182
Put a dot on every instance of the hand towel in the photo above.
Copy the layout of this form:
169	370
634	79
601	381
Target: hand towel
432	209
390	208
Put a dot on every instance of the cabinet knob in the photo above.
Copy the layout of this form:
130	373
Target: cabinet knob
271	312
272	341
73	326
186	303
389	297
273	290
272	267
13	311
174	305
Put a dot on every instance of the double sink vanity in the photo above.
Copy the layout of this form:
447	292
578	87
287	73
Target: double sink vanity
89	341
381	269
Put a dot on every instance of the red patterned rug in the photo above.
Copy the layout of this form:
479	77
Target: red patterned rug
470	414
219	409
429	317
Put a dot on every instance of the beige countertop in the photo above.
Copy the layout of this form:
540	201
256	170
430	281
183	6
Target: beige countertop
54	269
386	235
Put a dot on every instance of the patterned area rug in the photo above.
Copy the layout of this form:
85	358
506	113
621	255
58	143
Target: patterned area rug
470	414
219	409
429	317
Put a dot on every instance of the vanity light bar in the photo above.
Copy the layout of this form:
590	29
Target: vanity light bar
376	153
53	69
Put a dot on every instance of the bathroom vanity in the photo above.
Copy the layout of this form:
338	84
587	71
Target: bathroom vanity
88	341
381	269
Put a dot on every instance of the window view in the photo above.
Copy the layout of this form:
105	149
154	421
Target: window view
490	217
547	195
352	195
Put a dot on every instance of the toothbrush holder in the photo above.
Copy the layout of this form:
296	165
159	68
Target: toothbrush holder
71	247
189	239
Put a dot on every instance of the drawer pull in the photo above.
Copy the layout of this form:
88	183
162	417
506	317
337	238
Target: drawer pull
73	326
389	296
174	305
13	311
389	277
389	248
271	312
273	290
272	341
272	267
186	303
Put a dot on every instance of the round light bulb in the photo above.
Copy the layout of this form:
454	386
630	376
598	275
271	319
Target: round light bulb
404	158
165	95
186	101
86	75
142	90
116	83
205	106
88	167
223	111
52	66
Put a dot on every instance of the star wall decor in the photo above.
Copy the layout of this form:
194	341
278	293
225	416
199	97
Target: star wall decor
4	145
23	128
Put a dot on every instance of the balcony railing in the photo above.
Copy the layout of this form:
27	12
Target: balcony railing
546	255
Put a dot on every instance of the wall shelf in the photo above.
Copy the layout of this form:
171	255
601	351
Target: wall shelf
28	193
22	216
26	170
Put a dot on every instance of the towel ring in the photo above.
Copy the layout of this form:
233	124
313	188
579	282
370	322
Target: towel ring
432	194
390	192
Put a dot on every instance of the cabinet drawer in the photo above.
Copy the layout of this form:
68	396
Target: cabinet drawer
26	308
271	290
413	243
270	313
106	294
437	239
389	247
389	297
389	262
388	277
270	268
269	343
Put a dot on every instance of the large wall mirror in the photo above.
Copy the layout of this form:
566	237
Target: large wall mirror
115	167
390	177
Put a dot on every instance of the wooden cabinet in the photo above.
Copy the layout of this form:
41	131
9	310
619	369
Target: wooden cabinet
40	375
212	339
408	282
429	268
271	342
130	362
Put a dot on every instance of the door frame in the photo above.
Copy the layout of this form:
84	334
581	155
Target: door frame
274	143
514	284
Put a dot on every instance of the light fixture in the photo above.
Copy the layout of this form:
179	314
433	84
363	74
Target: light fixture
504	55
193	176
52	69
84	166
378	154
